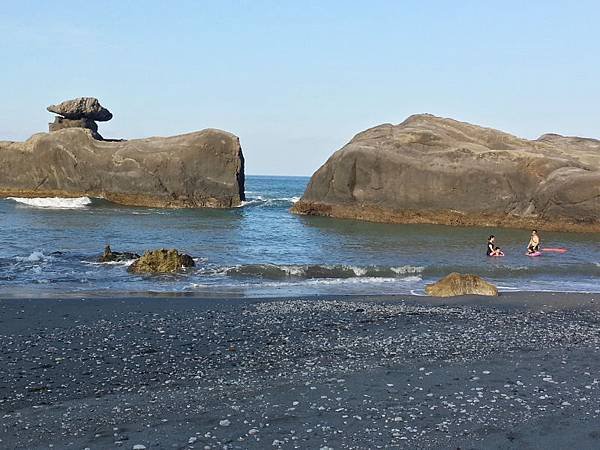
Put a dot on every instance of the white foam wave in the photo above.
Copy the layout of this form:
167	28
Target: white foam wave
36	256
314	282
125	263
259	200
54	202
404	270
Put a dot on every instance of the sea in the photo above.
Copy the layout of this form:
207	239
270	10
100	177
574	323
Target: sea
50	248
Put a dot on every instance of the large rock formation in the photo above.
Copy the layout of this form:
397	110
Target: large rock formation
434	170
457	284
200	169
79	113
161	261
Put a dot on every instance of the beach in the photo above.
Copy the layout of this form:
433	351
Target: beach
513	372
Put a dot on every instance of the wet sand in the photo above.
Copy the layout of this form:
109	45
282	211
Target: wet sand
520	371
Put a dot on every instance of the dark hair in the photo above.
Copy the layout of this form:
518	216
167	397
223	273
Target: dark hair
534	231
491	237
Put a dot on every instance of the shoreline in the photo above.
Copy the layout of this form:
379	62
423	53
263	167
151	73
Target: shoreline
515	371
504	296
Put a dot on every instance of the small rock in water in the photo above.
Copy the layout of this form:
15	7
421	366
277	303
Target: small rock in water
225	423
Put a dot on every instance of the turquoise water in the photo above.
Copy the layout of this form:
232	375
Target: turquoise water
261	249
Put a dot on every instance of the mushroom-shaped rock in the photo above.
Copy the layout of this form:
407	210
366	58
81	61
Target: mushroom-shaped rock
457	284
161	261
81	108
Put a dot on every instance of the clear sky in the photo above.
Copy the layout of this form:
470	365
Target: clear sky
297	79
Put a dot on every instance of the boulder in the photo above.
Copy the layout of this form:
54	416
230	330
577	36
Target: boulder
110	256
61	123
161	261
81	108
200	169
430	169
458	284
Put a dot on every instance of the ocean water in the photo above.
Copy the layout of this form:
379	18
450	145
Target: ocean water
50	247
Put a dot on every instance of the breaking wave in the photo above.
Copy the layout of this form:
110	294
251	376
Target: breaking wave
54	202
34	257
267	202
282	272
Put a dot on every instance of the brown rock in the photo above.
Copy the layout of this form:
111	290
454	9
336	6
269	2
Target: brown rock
81	108
161	261
434	170
200	169
110	256
457	284
60	123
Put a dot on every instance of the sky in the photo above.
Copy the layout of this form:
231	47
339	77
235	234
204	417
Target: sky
296	80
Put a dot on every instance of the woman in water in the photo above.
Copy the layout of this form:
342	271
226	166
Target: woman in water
492	250
534	243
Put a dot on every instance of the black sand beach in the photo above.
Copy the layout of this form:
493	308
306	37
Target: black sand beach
517	372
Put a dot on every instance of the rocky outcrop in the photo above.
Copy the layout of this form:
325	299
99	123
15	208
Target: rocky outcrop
61	123
457	284
81	108
161	261
434	170
79	113
200	169
110	256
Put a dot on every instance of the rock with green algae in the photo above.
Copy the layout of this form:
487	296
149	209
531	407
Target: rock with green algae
161	261
458	284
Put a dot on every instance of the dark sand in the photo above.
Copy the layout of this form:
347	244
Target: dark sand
517	372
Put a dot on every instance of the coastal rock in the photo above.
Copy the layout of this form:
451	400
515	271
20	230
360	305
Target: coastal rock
435	170
110	256
60	123
458	284
81	108
161	261
200	169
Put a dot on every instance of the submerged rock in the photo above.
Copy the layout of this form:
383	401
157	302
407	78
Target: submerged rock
81	108
110	256
434	170
458	284
161	261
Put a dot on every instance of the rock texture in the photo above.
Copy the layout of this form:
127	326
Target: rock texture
81	108
200	169
79	113
161	261
61	123
434	170
457	284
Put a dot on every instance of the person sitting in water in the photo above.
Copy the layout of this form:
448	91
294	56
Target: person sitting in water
492	250
534	243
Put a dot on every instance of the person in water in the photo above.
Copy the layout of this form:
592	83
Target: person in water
534	243
492	249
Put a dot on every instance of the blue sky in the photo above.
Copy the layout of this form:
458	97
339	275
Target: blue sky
296	80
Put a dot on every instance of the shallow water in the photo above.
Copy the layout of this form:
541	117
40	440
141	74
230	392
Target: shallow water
49	248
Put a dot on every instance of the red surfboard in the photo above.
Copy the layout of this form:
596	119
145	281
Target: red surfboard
554	250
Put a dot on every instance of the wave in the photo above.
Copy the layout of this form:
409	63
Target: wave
261	201
281	272
309	282
34	257
54	202
125	263
520	271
